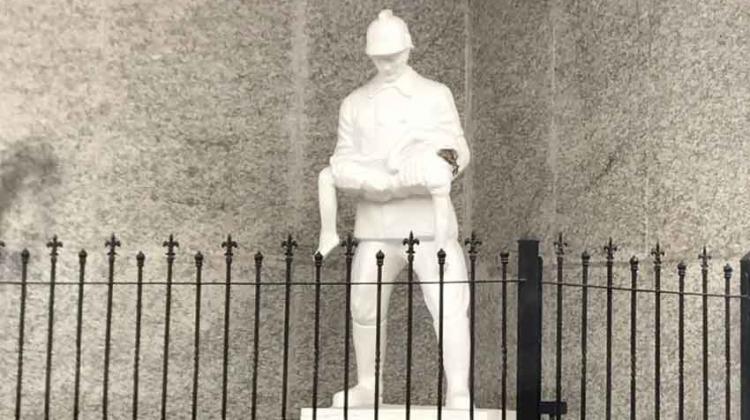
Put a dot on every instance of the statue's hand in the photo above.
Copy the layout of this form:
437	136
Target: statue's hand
377	187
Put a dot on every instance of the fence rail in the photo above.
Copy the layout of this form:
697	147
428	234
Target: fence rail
530	289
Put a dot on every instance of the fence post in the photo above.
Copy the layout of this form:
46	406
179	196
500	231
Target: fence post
745	333
529	368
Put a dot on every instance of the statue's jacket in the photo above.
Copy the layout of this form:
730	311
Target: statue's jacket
372	120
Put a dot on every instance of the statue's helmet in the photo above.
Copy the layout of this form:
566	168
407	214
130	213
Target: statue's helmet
388	34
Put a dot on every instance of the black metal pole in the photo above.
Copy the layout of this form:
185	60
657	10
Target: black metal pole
170	245
197	333
504	256
289	246
140	258
681	342
560	245
610	249
704	257
112	243
727	343
256	334
53	244
441	332
529	367
473	244
379	257
349	244
318	258
745	338
585	260
229	245
409	242
633	327
657	254
79	323
21	331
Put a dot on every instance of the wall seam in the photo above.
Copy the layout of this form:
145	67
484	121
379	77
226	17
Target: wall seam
468	175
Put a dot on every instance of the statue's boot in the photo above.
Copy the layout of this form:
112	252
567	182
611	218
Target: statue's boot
363	394
456	344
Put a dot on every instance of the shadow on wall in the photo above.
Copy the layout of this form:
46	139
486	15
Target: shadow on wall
28	164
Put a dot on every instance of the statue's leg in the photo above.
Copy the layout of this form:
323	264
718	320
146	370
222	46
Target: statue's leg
364	316
455	321
329	239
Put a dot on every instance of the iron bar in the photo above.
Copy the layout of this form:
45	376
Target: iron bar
560	245
54	244
409	242
610	249
378	300
473	244
112	243
140	258
256	334
349	244
704	257
197	332
170	245
229	245
657	253
289	246
633	327
441	332
21	330
318	258
681	343
504	257
585	260
727	345
79	323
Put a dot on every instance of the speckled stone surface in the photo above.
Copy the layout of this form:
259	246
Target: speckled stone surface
200	119
620	119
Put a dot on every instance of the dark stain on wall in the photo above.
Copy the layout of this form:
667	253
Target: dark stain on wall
28	164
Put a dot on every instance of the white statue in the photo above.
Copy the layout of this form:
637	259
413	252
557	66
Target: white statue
400	144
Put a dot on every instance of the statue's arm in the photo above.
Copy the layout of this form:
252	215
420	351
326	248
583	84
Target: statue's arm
352	171
449	121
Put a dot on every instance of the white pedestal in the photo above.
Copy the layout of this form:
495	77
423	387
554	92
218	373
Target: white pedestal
397	412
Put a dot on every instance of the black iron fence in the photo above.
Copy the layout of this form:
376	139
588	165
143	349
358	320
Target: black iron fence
528	403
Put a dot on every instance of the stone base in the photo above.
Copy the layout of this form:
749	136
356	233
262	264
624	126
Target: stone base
397	412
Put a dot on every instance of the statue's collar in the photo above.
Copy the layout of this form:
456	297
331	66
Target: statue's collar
404	84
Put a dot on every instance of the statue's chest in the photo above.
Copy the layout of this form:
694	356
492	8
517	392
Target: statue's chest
385	119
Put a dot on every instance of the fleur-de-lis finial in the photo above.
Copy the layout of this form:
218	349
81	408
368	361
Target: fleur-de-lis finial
171	244
704	257
727	272
289	244
473	244
54	244
560	245
410	242
610	248
112	243
657	252
229	244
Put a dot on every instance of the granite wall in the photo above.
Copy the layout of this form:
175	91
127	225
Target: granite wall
621	119
202	119
192	118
